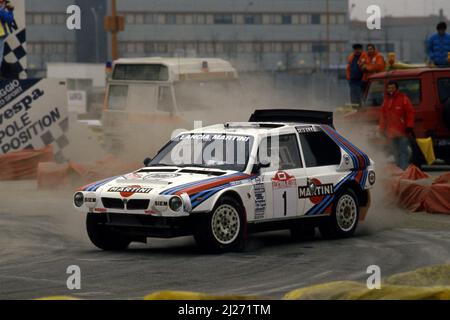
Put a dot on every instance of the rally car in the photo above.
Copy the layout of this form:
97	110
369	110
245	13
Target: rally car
284	169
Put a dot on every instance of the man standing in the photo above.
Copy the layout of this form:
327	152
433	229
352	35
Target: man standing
375	63
6	18
397	123
439	46
355	74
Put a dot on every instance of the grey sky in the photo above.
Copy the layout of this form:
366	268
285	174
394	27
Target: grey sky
401	7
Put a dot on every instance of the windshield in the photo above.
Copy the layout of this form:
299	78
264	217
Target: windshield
206	150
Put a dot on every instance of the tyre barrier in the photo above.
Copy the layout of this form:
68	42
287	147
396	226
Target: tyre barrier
413	190
51	175
23	165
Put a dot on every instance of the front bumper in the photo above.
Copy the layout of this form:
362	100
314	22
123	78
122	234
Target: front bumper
150	226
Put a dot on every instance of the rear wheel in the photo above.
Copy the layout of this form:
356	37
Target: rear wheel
223	229
102	236
344	219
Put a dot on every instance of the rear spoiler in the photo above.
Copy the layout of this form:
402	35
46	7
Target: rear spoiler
293	115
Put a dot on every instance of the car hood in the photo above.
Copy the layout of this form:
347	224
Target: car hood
165	181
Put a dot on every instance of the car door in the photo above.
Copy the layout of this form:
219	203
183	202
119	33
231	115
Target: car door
285	174
322	157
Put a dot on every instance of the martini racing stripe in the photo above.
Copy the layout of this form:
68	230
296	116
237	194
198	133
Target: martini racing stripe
343	146
94	186
360	155
198	186
319	208
176	189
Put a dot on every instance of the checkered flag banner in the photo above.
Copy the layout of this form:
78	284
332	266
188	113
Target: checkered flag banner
15	54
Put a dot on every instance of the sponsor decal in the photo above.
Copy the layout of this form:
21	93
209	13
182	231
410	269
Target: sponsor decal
132	176
315	191
372	178
127	192
283	180
284	195
306	129
346	159
214	137
160	204
161	176
260	200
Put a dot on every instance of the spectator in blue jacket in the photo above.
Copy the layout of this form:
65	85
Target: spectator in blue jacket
439	46
6	19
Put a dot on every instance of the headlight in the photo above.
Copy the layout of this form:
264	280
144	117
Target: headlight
175	203
78	199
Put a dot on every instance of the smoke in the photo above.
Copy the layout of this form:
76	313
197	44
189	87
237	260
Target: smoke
384	213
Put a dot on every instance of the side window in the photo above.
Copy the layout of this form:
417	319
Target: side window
319	149
165	100
375	95
444	89
412	89
284	155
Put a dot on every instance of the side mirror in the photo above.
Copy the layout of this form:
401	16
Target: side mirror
260	165
147	161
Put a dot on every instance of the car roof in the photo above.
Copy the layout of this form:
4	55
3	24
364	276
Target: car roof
251	128
407	72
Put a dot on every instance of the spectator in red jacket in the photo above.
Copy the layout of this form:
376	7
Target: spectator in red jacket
397	123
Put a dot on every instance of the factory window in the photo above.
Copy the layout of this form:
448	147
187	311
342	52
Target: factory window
201	48
267	19
333	47
305	47
161	18
323	19
140	47
315	19
188	19
239	19
318	48
162	48
37	19
131	47
287	47
218	47
305	19
333	18
286	19
267	47
149	47
130	18
139	18
149	18
278	47
179	19
249	19
277	19
171	19
223	19
60	19
341	18
209	19
200	19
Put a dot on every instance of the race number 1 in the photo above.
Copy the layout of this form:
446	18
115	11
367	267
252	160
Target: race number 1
284	195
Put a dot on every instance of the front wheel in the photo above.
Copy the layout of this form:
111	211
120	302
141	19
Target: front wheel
102	236
223	229
344	219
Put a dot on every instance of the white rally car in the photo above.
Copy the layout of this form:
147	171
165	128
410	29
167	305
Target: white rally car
285	169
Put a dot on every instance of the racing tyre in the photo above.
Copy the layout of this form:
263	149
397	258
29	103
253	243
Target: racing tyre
102	236
223	229
343	221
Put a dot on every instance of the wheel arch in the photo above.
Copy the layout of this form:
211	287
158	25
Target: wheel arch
361	194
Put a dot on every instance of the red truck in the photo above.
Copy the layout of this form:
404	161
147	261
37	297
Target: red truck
429	92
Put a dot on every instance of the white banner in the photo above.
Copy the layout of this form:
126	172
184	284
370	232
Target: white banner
33	114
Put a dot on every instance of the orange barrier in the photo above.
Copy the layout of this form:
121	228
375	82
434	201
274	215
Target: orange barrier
407	192
23	165
52	175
